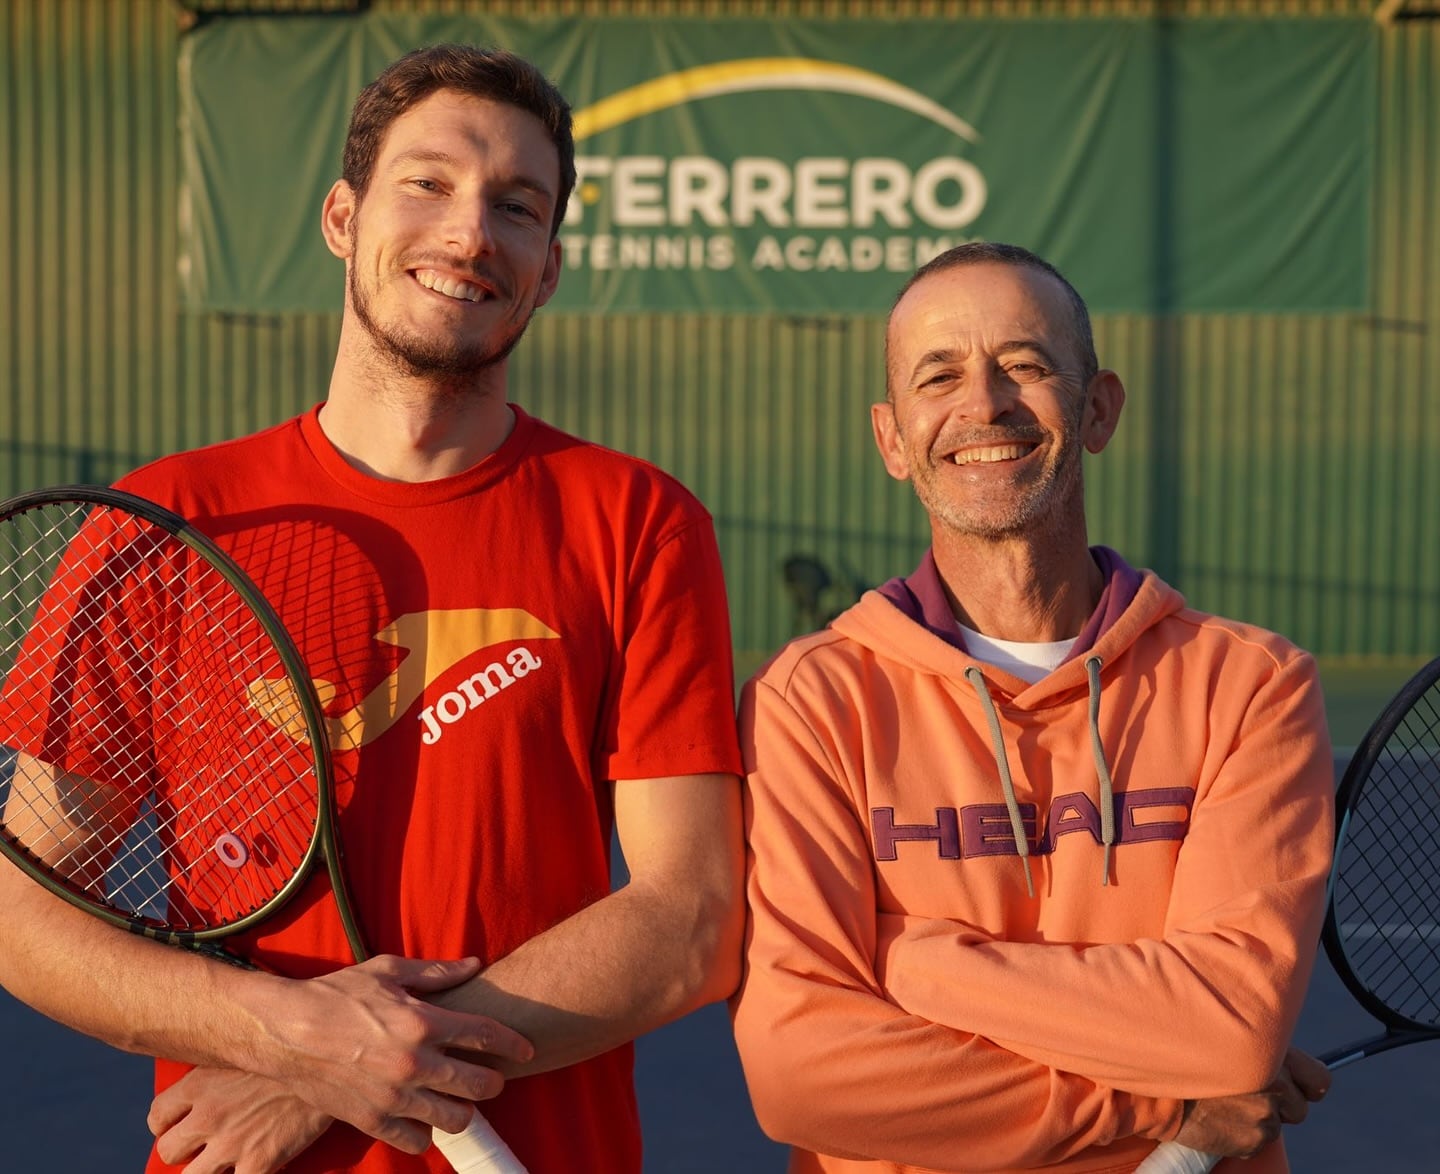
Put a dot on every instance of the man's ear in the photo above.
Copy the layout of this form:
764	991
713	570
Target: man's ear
888	440
337	216
550	278
1103	400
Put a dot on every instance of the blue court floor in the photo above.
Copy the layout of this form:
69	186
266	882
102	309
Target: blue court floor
1380	1117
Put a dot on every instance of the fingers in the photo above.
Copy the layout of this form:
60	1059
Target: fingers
1242	1125
410	1137
424	975
409	1127
478	1033
457	1029
235	1123
1234	1126
1302	1079
1311	1077
365	1047
1291	1106
178	1146
167	1109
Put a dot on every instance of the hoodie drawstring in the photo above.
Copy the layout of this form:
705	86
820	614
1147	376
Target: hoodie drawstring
1007	784
1102	768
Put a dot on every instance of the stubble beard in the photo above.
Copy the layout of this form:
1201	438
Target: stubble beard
1027	509
432	356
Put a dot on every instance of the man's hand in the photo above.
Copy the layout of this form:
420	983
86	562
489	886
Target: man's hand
1241	1126
360	1046
220	1120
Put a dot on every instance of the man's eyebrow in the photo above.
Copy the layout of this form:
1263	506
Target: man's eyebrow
1009	347
932	357
938	355
1026	344
431	155
422	155
529	184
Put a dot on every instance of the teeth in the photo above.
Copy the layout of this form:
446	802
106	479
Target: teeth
985	456
449	286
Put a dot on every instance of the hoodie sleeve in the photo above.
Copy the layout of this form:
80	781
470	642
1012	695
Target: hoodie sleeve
1208	1008
832	1064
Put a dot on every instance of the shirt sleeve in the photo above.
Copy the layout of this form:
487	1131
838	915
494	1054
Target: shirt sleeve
79	695
832	1064
673	711
1208	1008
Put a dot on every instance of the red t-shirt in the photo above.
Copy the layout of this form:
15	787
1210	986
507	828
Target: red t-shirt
490	649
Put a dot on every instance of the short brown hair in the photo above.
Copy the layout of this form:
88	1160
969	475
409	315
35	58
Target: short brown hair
481	72
993	252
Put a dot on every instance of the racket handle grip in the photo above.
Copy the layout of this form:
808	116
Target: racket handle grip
1173	1158
477	1149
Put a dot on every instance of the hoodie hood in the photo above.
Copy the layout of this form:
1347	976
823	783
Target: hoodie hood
1130	603
922	597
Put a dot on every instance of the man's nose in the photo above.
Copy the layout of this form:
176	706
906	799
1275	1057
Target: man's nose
470	228
985	394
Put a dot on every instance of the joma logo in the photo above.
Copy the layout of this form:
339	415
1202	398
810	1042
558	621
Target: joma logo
434	642
474	692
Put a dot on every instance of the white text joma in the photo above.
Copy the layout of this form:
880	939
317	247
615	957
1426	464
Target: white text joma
475	691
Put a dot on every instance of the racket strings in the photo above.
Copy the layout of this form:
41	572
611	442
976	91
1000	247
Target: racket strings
150	840
118	638
167	828
1387	897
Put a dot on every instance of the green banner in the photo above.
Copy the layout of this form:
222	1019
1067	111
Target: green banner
808	166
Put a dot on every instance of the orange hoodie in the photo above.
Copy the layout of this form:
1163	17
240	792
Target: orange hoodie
908	1005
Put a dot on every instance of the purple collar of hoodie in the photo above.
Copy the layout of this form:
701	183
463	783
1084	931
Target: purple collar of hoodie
922	597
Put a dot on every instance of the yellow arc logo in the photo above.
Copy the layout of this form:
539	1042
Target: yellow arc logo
759	73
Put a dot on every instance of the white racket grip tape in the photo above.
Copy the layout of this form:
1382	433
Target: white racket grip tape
478	1149
1173	1158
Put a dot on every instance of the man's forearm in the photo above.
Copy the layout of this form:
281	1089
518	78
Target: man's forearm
638	958
666	943
336	1041
118	987
1198	1015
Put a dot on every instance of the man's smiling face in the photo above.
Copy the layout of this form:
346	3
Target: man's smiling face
988	410
449	250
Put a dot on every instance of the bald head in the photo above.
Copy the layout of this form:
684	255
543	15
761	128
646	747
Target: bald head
1073	316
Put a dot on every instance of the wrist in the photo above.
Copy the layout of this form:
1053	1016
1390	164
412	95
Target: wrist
262	1038
1185	1109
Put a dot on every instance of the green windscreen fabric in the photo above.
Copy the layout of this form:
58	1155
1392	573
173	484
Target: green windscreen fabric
808	166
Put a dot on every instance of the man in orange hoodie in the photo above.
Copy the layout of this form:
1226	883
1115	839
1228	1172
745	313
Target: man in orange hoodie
1037	854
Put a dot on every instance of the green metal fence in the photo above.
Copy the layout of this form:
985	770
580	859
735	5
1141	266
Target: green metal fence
1279	468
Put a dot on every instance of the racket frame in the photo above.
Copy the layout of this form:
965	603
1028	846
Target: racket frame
1172	1158
323	841
1399	1029
478	1147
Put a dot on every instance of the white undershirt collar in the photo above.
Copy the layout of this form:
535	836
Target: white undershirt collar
1027	661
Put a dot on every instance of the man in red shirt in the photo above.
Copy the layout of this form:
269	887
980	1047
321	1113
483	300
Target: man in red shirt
524	644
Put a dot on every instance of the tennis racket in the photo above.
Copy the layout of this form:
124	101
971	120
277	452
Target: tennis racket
164	761
1382	929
